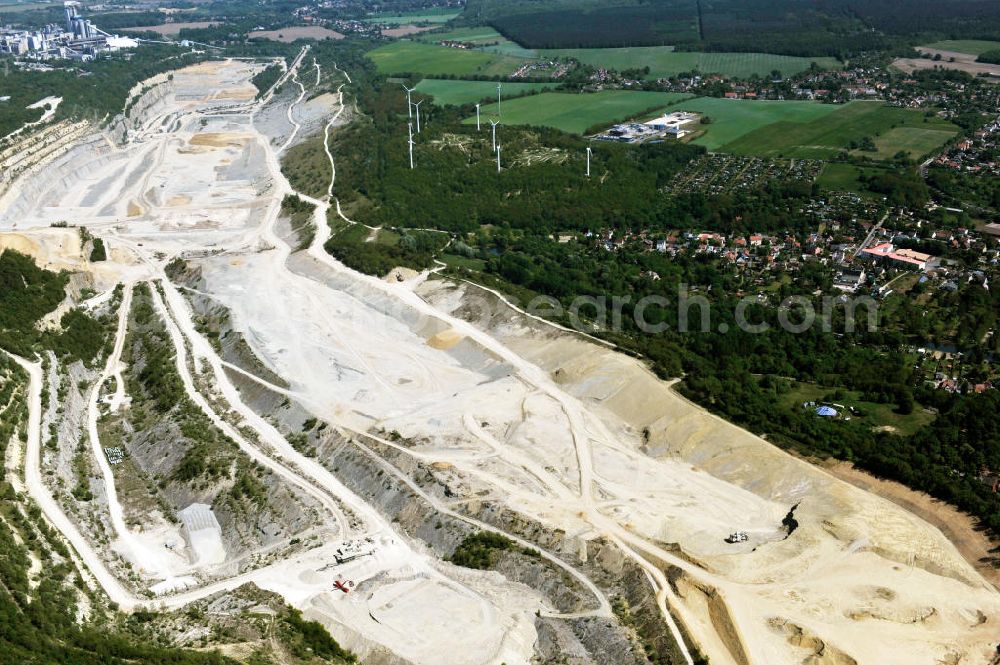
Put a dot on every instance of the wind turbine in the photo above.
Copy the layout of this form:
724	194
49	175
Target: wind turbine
494	123
410	125
498	100
498	159
477	117
409	104
588	161
417	106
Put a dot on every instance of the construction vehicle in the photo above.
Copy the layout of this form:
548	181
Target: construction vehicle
353	549
341	585
738	537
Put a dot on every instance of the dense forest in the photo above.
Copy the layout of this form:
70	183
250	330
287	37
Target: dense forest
28	293
792	27
642	25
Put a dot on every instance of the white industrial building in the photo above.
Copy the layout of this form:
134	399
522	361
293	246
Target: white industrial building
77	39
671	125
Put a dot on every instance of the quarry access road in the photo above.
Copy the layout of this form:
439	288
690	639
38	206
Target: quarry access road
50	508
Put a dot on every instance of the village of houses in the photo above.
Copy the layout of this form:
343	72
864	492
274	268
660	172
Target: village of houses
862	255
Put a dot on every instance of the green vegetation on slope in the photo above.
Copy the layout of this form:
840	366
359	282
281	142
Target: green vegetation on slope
480	550
157	390
264	79
378	252
309	639
28	293
300	217
307	167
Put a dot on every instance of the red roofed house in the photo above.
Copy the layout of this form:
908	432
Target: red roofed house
906	258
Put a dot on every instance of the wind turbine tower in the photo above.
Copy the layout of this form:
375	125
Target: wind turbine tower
409	104
498	100
411	145
494	123
498	159
588	161
417	106
477	117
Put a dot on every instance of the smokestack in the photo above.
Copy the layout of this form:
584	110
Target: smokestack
71	14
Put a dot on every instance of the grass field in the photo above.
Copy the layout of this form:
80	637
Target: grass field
817	131
469	92
734	118
575	112
418	58
455	261
917	141
970	46
876	415
430	15
843	177
664	61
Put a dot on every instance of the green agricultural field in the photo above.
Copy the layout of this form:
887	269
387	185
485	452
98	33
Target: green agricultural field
471	35
406	57
733	118
827	129
970	46
665	61
468	92
488	39
576	112
431	15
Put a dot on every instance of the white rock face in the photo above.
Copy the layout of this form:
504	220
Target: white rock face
203	534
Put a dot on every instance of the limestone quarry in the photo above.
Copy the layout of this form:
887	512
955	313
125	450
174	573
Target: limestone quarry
377	423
